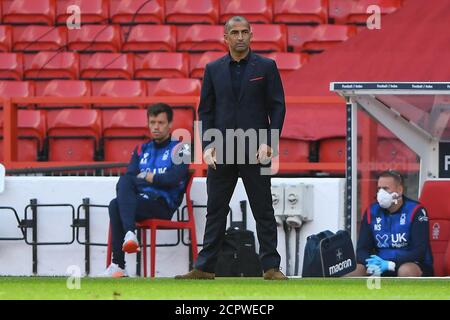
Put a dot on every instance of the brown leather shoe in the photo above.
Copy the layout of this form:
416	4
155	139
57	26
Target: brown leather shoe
196	274
274	274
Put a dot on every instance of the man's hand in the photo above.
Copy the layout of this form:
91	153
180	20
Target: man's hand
376	264
209	156
264	154
147	176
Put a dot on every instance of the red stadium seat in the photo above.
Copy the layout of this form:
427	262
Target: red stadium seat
143	38
198	69
31	132
121	89
16	89
52	65
11	66
92	11
39	38
95	38
29	11
318	38
156	65
73	134
177	87
183	123
123	130
394	151
158	224
5	38
434	198
200	38
137	11
269	37
108	66
292	151
288	61
344	11
301	11
67	89
192	11
256	11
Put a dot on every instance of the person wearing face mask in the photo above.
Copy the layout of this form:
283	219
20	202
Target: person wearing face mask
394	235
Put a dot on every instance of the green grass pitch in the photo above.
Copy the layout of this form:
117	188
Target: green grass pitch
223	289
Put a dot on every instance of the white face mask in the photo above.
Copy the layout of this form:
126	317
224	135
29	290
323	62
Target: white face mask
386	199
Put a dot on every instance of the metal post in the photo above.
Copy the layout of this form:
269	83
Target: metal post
351	171
87	248
34	235
138	254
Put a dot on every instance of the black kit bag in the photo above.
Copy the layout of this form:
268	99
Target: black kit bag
328	255
238	257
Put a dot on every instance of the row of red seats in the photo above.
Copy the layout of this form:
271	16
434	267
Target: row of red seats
79	134
110	88
83	135
50	12
145	38
154	65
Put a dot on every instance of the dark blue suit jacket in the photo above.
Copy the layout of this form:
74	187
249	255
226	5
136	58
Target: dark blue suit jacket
260	104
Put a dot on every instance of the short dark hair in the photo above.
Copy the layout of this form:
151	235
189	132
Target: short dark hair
227	26
395	175
158	108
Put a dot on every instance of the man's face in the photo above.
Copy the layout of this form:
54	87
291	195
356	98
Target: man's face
238	37
390	185
159	126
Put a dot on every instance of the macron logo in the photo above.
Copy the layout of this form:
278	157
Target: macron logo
340	266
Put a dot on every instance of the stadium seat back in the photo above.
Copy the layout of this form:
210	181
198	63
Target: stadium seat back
144	38
177	87
29	11
10	88
66	89
31	132
269	37
121	89
52	65
108	66
434	198
183	118
73	134
93	11
11	66
301	11
255	11
137	11
5	38
293	151
192	11
123	130
157	65
90	38
199	38
39	38
394	151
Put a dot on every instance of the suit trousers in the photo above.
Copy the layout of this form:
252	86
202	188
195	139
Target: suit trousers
220	187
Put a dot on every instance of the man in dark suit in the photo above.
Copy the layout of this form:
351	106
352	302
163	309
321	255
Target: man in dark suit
241	92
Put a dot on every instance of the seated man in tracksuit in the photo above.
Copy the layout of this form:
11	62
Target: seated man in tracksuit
394	236
153	186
